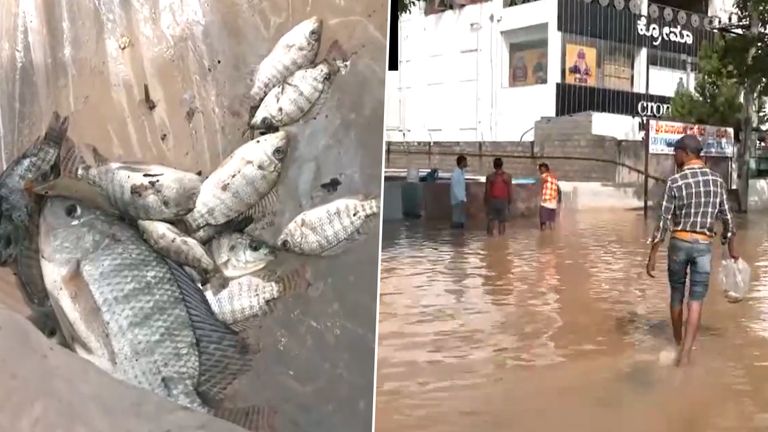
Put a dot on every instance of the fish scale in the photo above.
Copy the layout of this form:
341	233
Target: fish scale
133	287
327	229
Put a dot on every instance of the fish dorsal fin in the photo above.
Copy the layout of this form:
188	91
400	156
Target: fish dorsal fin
223	355
75	155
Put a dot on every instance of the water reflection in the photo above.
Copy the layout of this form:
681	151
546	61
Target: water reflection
494	333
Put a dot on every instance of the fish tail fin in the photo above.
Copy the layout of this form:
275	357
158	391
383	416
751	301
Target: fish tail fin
371	205
255	418
57	129
295	280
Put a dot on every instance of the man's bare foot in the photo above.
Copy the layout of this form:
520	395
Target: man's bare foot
683	359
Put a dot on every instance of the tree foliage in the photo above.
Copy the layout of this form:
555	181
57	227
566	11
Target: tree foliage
404	6
726	68
716	98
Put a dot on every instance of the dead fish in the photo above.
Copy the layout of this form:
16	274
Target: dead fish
38	163
289	101
167	240
144	191
136	315
249	296
295	50
238	254
330	228
240	182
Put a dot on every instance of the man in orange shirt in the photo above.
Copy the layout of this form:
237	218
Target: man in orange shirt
549	197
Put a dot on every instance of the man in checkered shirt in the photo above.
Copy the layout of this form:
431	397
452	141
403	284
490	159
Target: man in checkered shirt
694	198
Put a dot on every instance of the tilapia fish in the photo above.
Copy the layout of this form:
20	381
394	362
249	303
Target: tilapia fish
289	101
134	313
20	210
238	254
144	191
295	50
249	296
177	246
330	228
240	182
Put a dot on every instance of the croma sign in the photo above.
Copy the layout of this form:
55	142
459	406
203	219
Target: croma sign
653	109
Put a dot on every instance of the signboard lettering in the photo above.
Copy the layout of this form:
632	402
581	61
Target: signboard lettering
653	109
672	34
717	141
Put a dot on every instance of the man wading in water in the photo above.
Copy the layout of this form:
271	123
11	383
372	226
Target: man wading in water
693	199
459	193
550	196
498	197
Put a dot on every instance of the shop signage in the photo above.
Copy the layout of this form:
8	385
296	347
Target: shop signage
577	98
653	109
717	140
667	33
593	20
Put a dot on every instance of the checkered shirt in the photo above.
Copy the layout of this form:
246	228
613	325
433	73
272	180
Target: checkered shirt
548	188
693	200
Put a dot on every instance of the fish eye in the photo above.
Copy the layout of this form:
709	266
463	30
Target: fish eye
266	123
72	211
314	34
278	153
254	245
286	244
51	333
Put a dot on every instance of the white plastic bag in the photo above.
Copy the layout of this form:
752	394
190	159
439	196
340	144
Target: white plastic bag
734	277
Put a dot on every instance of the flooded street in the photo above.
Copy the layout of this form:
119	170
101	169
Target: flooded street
561	331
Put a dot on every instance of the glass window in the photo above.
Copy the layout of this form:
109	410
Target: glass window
675	61
598	63
527	48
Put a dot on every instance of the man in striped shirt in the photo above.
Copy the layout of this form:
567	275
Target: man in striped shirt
694	198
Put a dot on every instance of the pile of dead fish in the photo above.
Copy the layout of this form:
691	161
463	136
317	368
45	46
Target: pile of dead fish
150	272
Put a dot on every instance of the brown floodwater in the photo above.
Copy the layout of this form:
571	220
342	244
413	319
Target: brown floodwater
560	331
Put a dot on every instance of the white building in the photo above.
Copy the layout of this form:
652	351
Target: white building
488	71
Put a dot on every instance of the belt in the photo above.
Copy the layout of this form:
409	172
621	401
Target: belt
690	236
